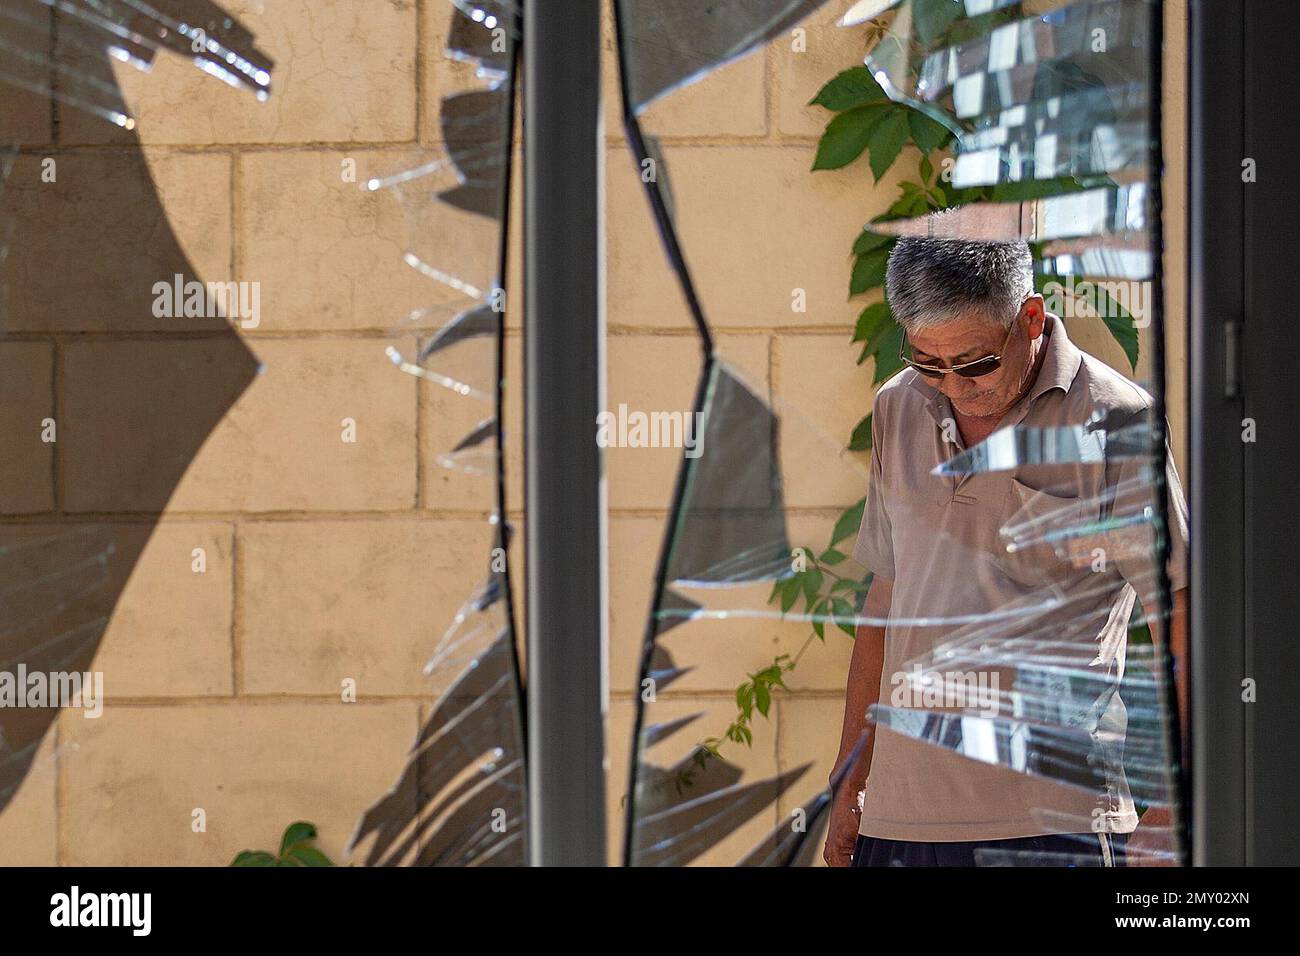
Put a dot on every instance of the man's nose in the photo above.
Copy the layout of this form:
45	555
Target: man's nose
952	384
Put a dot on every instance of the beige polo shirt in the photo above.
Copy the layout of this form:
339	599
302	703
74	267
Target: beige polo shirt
941	540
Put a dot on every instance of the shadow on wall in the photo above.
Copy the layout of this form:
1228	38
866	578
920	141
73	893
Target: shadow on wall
103	403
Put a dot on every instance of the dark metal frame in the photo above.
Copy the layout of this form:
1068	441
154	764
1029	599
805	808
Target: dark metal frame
1244	601
1216	289
564	467
1270	393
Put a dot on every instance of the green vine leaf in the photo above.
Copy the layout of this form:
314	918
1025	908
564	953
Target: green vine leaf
745	698
790	592
868	241
887	139
849	521
928	134
842	613
295	850
848	134
852	87
812	585
296	833
873	321
932	17
878	342
308	856
860	440
869	271
1120	323
887	361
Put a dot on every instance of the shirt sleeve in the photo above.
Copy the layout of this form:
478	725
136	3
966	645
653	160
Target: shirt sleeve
1177	526
1135	567
874	548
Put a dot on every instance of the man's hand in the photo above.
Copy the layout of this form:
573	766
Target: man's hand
861	691
843	831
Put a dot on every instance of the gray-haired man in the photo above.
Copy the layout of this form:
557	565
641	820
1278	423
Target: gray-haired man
984	354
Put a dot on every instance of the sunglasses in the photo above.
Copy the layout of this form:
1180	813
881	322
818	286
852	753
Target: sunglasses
981	366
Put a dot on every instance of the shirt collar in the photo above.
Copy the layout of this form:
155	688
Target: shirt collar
1061	364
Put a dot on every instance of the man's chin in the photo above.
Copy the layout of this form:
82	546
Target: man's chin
980	408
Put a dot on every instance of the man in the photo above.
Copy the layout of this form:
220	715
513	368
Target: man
960	562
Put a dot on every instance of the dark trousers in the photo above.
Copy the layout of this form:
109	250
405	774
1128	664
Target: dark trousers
1083	849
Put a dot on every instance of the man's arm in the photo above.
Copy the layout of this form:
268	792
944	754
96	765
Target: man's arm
861	691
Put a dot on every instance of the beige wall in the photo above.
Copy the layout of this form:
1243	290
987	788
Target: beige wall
328	561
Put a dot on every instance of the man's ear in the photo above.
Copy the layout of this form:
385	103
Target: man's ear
1034	311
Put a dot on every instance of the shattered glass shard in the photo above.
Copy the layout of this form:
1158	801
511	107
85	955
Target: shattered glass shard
477	139
1082	134
1016	445
1059	754
794	842
732	525
667	44
865	10
483	35
460	799
63	49
453	200
476	453
97	232
662	670
1117	256
479	321
677	823
954	62
1101	211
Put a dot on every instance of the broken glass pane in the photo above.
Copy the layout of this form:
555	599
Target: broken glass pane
1079	134
666	44
797	841
1102	211
96	232
461	799
954	62
453	199
1108	257
1022	573
63	49
1009	448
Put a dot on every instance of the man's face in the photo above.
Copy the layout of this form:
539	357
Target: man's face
971	336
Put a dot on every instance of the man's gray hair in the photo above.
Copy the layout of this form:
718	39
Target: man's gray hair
932	281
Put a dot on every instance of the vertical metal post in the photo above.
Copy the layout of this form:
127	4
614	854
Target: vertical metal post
1268	350
1216	204
563	393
